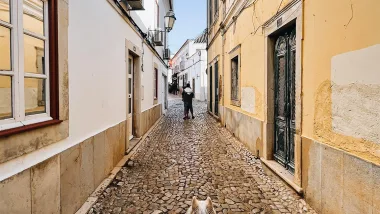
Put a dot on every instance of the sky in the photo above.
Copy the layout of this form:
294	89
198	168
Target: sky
191	21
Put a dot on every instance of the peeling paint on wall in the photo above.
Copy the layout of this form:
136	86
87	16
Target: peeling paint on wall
248	98
324	133
356	111
355	94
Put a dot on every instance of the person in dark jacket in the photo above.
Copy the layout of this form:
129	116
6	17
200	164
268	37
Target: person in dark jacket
187	97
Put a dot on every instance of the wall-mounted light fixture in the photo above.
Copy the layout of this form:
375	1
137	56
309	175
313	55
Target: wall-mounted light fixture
170	20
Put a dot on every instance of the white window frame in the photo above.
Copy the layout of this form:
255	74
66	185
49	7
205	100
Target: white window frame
17	73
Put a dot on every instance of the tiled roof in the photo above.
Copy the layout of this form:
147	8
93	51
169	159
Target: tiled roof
201	38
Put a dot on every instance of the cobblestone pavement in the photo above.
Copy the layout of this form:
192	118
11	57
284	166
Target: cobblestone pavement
181	159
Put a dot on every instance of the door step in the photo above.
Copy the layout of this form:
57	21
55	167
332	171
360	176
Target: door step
132	144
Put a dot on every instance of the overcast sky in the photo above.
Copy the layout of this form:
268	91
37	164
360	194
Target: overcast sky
191	21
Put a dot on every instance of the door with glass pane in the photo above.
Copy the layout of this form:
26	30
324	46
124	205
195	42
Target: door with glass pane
285	58
130	97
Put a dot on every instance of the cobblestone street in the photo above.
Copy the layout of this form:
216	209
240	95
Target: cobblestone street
181	159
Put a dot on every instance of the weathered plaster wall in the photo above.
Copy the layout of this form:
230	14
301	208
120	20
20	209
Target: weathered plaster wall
247	129
248	96
245	32
340	55
339	100
355	93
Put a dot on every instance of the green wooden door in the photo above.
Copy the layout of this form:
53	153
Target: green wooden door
285	58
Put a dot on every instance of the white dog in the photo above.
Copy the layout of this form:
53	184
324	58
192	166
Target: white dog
201	207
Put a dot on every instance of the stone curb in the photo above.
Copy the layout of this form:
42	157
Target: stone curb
91	200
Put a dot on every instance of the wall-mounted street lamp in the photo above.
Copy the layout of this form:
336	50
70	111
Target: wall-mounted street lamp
169	20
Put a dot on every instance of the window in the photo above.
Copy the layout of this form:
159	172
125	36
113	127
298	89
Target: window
27	66
235	79
155	83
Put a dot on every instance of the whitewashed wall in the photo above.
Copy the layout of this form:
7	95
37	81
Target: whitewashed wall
97	77
195	66
146	19
98	69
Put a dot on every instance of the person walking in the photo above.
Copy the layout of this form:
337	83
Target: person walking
187	98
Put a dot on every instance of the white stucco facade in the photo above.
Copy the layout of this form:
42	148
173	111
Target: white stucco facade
190	64
98	69
98	73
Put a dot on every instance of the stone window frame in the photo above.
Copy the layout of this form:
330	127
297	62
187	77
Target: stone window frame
235	52
20	121
26	139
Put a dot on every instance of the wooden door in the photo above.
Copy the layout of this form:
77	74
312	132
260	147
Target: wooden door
216	86
210	76
285	58
130	97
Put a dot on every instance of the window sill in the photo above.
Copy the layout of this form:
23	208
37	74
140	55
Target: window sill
29	127
235	103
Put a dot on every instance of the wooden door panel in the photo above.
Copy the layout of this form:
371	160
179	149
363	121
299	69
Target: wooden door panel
216	85
210	73
285	58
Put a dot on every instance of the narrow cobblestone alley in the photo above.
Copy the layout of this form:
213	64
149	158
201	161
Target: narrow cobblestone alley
181	159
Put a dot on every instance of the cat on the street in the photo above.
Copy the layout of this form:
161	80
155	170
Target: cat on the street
201	207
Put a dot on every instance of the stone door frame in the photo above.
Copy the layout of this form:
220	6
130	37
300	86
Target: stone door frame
136	53
290	14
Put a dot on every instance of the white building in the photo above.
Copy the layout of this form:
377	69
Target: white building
190	64
73	95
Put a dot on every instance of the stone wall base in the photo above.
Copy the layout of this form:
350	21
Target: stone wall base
149	117
247	129
63	183
337	182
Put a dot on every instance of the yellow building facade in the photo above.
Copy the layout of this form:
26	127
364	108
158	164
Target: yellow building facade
298	82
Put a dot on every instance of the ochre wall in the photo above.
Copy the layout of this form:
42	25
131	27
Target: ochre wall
338	38
331	30
245	32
